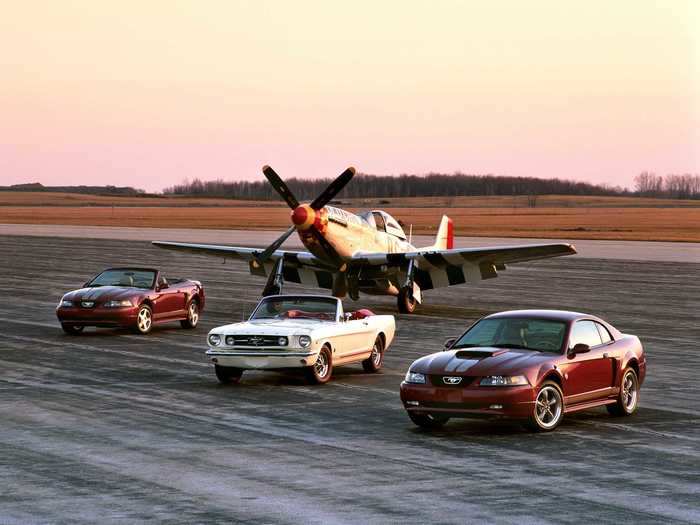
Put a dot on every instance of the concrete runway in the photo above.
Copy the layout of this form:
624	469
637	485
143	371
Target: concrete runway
113	427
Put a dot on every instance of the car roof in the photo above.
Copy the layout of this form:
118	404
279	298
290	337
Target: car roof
554	315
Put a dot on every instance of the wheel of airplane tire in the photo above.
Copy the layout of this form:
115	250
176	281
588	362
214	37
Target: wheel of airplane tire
192	315
322	369
548	409
228	374
72	329
428	421
628	399
407	303
374	362
144	320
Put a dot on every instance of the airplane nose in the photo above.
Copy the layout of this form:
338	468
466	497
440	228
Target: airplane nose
303	217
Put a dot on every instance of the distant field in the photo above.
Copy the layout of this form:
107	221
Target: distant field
564	217
9	198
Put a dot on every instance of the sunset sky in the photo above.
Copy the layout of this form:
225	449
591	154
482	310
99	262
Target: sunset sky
148	93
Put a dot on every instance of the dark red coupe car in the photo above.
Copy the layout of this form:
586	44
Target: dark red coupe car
535	365
131	297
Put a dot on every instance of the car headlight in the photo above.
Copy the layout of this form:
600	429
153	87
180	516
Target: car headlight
283	341
415	377
304	341
230	340
118	304
65	303
214	339
503	381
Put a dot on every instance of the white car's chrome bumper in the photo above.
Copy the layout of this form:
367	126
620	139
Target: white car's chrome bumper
262	359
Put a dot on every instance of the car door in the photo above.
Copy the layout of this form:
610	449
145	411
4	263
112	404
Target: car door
356	338
588	375
168	303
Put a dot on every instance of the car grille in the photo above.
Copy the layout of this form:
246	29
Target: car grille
253	340
439	380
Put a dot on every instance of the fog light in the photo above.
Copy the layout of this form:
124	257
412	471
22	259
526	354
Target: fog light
412	403
496	407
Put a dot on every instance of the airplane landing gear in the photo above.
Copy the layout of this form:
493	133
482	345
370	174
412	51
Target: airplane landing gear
276	280
406	301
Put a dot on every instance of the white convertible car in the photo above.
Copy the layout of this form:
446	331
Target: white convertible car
300	331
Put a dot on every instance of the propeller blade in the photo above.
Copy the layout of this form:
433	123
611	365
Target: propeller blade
280	187
267	252
333	189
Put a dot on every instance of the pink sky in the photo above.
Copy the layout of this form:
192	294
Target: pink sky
150	93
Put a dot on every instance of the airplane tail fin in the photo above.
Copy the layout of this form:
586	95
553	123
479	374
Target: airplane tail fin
444	240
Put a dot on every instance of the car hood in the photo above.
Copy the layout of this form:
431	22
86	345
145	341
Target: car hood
272	327
482	361
100	294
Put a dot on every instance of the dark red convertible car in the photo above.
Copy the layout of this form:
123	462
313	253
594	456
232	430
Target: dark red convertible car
131	297
536	365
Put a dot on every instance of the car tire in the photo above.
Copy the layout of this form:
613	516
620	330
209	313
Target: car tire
144	320
72	329
227	374
376	359
428	421
628	398
407	303
322	369
548	409
192	315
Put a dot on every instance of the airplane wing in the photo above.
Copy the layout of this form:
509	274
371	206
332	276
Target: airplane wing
440	268
299	267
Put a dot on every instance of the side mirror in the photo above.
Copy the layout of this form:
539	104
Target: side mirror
449	342
346	316
580	348
161	286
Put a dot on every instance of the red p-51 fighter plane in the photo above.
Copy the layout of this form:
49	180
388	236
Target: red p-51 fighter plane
368	252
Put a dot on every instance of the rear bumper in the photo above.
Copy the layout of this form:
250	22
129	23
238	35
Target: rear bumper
104	317
515	402
262	359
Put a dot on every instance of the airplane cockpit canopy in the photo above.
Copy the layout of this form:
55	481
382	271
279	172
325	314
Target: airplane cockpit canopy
383	222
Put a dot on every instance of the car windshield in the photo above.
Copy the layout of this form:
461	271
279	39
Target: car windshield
317	308
542	335
124	277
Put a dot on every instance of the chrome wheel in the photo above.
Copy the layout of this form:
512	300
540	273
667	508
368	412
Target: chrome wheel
376	356
144	320
629	392
321	367
193	314
548	407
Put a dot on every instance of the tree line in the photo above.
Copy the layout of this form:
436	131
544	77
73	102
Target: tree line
373	186
671	186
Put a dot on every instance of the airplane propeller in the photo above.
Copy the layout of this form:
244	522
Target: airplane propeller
300	211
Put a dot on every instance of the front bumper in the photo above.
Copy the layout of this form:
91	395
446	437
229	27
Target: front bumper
262	359
98	316
509	401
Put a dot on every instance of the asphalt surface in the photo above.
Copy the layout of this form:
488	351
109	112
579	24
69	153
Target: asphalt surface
112	427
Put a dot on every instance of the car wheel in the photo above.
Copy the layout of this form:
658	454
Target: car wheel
628	399
428	421
407	303
144	320
374	362
322	369
549	408
228	374
72	329
192	316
